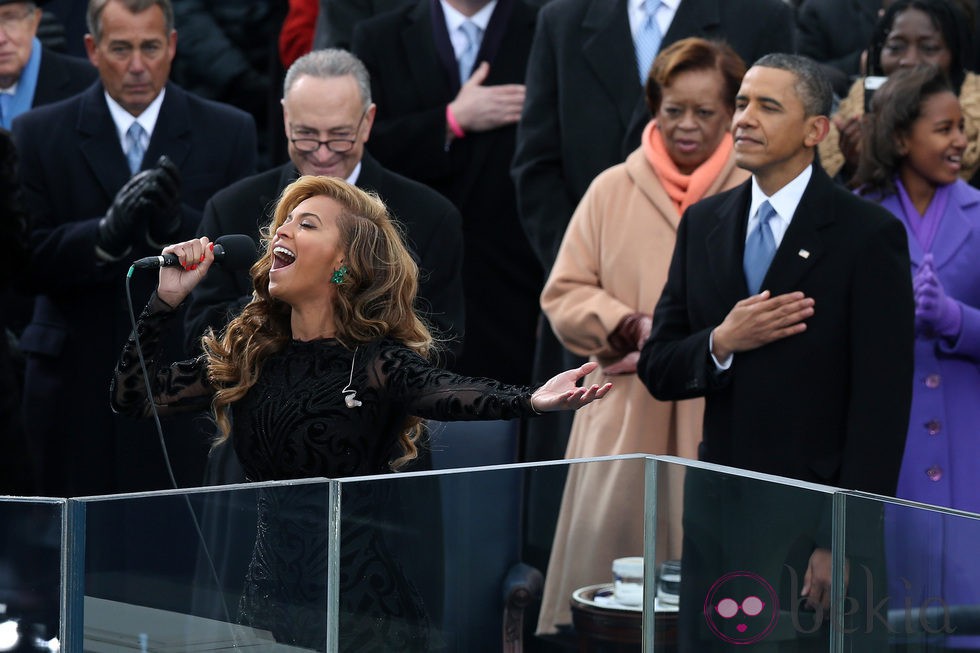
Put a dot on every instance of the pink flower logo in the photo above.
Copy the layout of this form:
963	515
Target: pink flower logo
741	608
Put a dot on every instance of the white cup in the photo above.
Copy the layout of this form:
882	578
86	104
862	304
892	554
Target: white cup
628	580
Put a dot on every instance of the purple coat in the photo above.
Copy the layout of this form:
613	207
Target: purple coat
934	553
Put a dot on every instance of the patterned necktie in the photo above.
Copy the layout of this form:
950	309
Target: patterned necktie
759	249
134	146
467	57
647	39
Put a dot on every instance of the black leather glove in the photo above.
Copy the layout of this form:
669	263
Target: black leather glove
129	212
162	197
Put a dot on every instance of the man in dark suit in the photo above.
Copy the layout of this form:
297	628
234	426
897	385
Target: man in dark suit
448	102
30	74
788	307
96	202
328	96
584	113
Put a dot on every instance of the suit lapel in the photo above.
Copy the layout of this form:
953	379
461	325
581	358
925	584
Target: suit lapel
426	40
370	175
606	46
99	141
171	135
953	231
894	206
651	188
693	18
51	76
726	244
497	27
802	245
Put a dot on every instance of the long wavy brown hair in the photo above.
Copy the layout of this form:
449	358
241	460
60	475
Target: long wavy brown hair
375	300
894	109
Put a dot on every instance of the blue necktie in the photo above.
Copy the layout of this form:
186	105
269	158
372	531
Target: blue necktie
759	249
647	39
134	146
468	56
5	99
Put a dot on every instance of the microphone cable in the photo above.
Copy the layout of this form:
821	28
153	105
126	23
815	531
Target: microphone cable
166	459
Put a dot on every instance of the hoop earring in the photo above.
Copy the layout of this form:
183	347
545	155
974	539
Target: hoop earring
338	275
350	396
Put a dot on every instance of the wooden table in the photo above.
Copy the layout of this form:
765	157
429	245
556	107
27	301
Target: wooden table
613	629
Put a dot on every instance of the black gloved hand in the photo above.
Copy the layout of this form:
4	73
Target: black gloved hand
162	197
128	212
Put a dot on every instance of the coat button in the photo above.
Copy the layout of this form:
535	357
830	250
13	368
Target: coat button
933	426
934	473
932	381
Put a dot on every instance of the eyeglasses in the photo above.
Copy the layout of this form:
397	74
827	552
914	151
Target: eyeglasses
13	23
335	145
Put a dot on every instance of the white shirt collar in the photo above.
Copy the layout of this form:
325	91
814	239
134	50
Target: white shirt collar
10	90
355	173
784	201
454	18
124	119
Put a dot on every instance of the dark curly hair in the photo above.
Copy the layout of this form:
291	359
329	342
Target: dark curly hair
947	16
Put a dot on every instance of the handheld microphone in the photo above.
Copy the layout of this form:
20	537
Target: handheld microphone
235	251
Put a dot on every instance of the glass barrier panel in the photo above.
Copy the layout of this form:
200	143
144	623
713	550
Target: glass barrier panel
434	561
918	565
30	573
211	569
730	558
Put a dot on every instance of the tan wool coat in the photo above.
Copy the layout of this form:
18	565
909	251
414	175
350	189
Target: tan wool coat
613	262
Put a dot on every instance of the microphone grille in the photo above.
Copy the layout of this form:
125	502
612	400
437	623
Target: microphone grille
237	251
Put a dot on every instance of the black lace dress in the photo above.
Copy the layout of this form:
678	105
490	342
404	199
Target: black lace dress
294	423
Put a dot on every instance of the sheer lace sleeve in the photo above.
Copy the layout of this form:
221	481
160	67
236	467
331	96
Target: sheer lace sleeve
433	393
182	386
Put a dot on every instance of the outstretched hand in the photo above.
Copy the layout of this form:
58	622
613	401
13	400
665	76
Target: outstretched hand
561	392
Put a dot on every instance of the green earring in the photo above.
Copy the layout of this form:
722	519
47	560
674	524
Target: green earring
339	274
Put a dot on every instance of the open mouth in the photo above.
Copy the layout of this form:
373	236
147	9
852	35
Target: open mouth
282	257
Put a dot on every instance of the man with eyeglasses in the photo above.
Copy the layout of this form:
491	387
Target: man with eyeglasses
111	175
30	74
328	115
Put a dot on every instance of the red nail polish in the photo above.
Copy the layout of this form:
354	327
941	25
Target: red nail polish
202	258
211	247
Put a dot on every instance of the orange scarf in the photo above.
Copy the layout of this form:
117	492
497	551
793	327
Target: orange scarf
683	189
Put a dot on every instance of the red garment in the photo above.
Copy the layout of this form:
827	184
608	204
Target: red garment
296	36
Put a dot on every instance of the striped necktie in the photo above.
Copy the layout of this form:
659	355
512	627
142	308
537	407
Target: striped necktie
134	146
